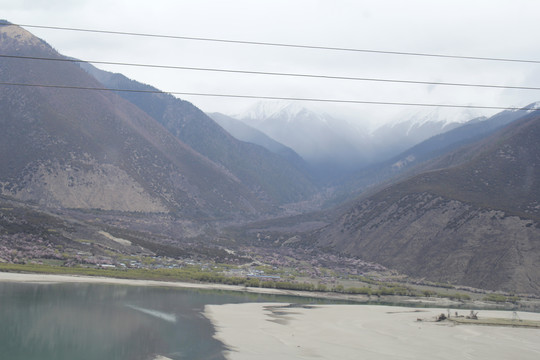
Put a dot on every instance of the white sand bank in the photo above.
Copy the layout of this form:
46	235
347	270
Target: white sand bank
255	331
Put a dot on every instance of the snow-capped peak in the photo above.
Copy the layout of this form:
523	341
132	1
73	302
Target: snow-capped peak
443	115
263	109
531	107
279	108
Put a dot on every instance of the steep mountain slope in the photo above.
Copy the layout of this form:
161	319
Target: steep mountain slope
502	172
92	149
477	223
271	176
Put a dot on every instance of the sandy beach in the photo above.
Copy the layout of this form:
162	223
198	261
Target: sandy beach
272	331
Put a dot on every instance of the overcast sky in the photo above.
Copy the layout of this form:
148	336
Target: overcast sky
494	28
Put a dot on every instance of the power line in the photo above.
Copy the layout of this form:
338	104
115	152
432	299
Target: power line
286	45
236	71
342	101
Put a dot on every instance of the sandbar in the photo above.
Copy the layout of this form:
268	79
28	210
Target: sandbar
258	331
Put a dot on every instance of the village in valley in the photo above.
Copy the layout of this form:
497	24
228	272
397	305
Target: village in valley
322	274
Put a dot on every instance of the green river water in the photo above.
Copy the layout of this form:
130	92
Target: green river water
89	321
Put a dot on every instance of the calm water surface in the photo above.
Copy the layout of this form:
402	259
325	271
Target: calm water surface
89	321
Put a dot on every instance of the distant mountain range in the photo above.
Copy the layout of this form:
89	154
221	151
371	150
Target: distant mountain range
330	145
335	147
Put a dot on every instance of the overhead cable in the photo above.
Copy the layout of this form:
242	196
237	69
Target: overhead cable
236	71
342	101
285	45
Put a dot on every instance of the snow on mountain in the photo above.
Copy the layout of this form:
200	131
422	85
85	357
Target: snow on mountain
282	109
531	107
412	127
316	136
322	139
445	116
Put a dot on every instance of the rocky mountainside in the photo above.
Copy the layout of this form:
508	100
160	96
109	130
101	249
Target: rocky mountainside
273	177
94	150
475	223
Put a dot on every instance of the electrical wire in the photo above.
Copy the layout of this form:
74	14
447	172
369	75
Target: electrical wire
342	101
285	45
236	71
274	73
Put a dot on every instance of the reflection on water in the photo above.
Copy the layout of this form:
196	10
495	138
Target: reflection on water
89	321
158	314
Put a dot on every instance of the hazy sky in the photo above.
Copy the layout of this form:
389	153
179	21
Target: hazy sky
494	28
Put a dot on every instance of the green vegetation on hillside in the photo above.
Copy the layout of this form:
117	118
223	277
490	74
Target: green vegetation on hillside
197	274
